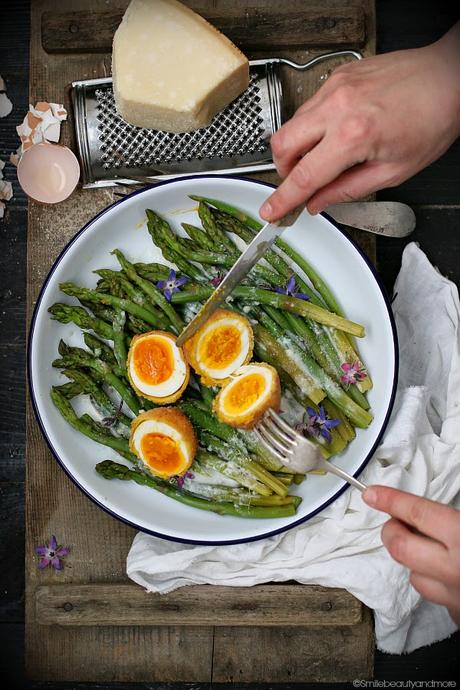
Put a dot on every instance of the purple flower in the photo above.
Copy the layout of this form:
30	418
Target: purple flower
352	373
113	419
51	554
290	289
318	424
179	479
172	284
216	281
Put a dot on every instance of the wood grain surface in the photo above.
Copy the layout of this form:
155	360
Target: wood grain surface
99	543
260	25
435	196
201	605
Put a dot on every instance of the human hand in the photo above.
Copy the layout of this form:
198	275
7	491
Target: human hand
373	124
432	553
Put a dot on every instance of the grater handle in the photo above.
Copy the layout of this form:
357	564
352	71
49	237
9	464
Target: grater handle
314	61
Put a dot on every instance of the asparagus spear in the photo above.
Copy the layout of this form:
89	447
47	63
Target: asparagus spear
236	456
69	390
113	470
66	313
152	271
233	470
114	419
106	439
154	226
76	357
153	292
228	208
107	299
119	342
272	340
212	229
257	295
199	237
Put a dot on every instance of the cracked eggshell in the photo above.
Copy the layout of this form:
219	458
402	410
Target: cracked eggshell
6	190
6	105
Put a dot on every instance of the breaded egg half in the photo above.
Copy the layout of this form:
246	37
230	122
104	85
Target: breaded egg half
164	440
249	393
220	347
157	369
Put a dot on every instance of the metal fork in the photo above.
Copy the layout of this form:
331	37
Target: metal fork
294	450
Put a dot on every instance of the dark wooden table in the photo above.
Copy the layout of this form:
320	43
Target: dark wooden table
435	196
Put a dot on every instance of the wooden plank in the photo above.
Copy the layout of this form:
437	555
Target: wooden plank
53	504
294	655
264	605
289	25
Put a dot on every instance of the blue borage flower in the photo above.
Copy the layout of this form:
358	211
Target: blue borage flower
172	284
290	289
318	424
51	554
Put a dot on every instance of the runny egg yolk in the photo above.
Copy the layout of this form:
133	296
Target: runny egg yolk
244	393
153	360
162	453
220	346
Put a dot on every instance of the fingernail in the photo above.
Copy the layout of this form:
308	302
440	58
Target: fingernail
266	210
370	496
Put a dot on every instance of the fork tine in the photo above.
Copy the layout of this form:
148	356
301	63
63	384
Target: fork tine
281	458
274	429
282	428
275	441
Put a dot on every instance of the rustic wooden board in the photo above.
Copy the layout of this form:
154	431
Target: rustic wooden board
266	605
259	26
164	651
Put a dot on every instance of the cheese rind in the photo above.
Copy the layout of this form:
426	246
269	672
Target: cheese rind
172	70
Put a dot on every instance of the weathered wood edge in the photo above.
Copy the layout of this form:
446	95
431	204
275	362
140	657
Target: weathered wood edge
262	605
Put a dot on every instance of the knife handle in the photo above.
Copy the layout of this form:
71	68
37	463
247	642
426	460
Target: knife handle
290	218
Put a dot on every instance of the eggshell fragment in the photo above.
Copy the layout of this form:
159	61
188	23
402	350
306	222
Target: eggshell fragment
48	173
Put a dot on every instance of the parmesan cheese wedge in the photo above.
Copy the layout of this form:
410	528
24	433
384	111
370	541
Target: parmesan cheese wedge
172	70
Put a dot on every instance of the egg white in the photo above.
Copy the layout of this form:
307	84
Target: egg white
268	376
151	426
172	384
239	359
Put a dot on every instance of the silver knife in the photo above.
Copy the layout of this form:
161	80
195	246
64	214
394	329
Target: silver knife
251	255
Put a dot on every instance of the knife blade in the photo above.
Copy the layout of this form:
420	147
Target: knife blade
251	255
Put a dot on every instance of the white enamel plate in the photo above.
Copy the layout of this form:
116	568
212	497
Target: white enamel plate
122	225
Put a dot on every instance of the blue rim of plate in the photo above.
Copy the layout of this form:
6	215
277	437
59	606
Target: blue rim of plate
227	542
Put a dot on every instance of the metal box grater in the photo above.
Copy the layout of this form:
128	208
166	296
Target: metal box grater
114	152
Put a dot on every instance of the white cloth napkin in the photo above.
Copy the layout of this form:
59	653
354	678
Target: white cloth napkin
342	546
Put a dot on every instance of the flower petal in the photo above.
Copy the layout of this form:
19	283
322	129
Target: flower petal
44	563
290	286
56	563
311	412
52	543
161	284
168	294
332	423
325	434
41	550
172	275
280	291
63	551
301	295
181	281
345	366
